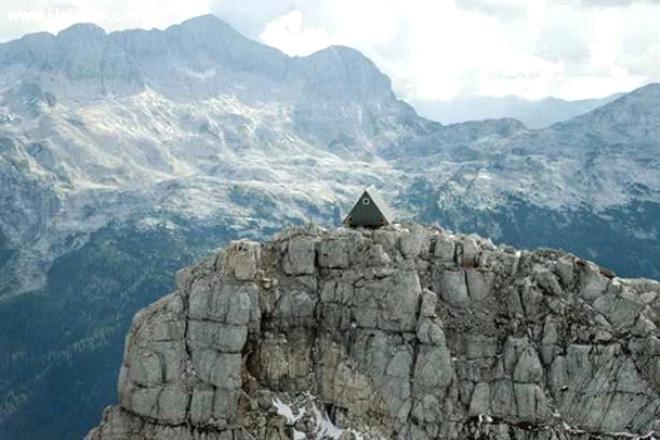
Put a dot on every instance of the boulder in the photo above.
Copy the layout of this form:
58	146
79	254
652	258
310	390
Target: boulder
300	257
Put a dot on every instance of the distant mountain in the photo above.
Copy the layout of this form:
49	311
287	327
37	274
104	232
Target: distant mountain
534	114
98	127
593	178
126	155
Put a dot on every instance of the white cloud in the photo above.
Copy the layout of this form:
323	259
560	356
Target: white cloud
430	49
18	17
440	50
288	34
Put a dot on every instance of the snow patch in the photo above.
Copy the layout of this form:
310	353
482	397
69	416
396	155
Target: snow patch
287	412
206	74
325	429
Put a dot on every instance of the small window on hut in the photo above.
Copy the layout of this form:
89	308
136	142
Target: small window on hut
366	201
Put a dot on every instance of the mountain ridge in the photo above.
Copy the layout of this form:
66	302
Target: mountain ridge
535	114
334	100
106	194
204	42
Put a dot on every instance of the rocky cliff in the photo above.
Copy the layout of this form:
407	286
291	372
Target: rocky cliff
403	332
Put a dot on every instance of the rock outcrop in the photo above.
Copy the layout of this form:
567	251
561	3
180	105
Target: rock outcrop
404	332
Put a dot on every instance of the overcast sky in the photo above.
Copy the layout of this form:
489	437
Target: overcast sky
431	49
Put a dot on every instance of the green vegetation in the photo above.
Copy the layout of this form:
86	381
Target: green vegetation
61	347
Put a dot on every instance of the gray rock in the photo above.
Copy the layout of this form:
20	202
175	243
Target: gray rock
565	268
528	368
433	370
592	282
480	400
219	369
227	304
480	347
146	369
201	405
429	303
621	310
444	249
378	256
415	243
429	331
452	287
338	323
531	403
227	338
470	253
241	259
479	284
333	254
300	257
295	306
173	404
390	303
547	281
182	277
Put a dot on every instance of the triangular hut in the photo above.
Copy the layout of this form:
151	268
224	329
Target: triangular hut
370	211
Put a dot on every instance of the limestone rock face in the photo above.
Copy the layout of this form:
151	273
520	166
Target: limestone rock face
399	333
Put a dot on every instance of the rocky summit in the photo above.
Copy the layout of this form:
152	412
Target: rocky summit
405	332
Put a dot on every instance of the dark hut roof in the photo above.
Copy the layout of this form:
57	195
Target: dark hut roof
381	204
376	214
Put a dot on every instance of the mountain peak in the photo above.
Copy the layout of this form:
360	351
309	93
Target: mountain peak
392	333
202	49
631	116
340	72
648	91
82	30
343	55
209	25
648	94
206	19
338	49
